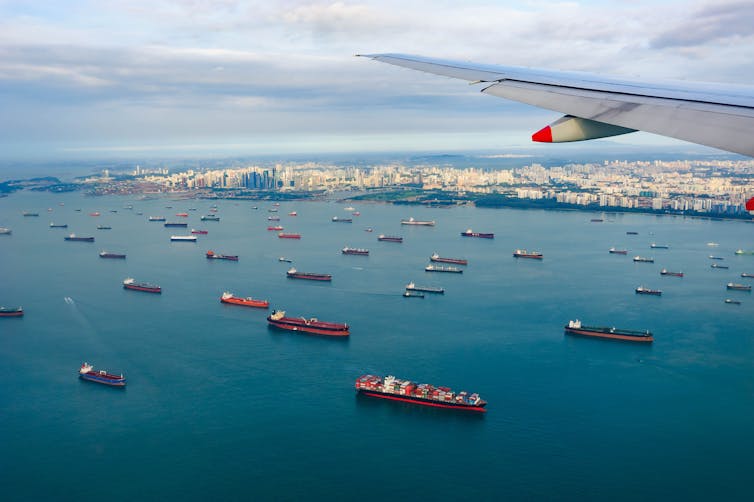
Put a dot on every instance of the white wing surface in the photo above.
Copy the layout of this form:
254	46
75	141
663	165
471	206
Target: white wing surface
717	115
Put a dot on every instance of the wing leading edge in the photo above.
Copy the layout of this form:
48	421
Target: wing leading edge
594	106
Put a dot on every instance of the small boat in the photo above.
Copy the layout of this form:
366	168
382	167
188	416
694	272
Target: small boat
211	255
105	254
659	246
86	372
104	227
421	223
183	238
276	228
457	261
439	268
11	311
642	259
356	213
617	251
156	218
199	232
284	259
74	237
369	229
130	283
641	290
336	219
295	274
665	271
424	289
281	235
313	325
413	294
244	302
481	235
732	301
715	265
355	251
210	217
58	225
389	238
522	253
738	287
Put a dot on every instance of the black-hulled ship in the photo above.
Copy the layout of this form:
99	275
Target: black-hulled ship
424	289
629	335
74	237
105	254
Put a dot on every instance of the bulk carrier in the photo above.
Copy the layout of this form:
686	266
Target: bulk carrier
295	274
424	394
457	261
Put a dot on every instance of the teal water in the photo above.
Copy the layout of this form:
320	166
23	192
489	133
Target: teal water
220	407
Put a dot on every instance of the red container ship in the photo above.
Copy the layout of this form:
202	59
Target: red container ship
281	235
295	274
278	320
424	394
86	372
356	251
141	286
11	312
522	253
576	328
244	302
470	233
389	238
211	255
458	261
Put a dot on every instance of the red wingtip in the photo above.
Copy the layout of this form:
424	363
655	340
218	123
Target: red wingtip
544	135
750	204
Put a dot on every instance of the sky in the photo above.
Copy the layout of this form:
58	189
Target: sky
192	77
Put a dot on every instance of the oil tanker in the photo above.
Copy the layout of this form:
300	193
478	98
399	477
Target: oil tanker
105	254
576	328
11	312
389	238
244	302
86	372
130	283
295	274
424	394
458	261
74	237
313	325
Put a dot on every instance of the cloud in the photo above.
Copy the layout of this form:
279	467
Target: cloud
709	24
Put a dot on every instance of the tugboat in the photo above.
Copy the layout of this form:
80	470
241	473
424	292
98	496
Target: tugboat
130	283
313	325
522	253
86	372
295	274
211	255
439	268
481	235
641	290
244	302
576	328
424	394
11	312
457	261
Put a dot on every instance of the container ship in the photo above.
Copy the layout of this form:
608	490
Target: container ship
481	235
198	232
424	289
156	218
336	219
275	228
130	283
440	268
641	290
244	302
211	255
668	272
295	274
575	328
278	320
86	372
715	265
356	251
183	238
389	238
74	237
105	254
421	223
281	235
11	312
424	394
658	246
641	259
617	251
738	287
522	253
175	224
458	261
58	225
210	217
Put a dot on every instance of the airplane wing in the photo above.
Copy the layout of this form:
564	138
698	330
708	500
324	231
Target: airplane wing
717	115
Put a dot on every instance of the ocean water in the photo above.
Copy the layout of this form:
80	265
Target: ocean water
220	407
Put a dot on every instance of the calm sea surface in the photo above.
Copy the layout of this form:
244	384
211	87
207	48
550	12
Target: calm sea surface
220	407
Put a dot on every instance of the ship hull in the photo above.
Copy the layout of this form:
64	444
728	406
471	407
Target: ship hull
79	239
455	261
113	255
144	289
12	313
244	302
311	277
608	335
111	381
399	240
529	256
478	235
422	401
303	328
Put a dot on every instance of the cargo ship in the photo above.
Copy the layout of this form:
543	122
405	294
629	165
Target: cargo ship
389	238
742	252
105	254
211	255
424	289
210	217
641	290
29	213
273	218
175	224
11	312
182	215
278	320
576	328
104	227
658	246
156	218
481	235
713	257
617	251
440	268
183	238
356	251
746	274
413	294
641	259
424	394
58	225
596	220
295	274
284	259
199	232
738	287
74	237
275	228
336	219
458	261
130	283
732	301
244	302
87	373
632	233
522	253
665	271
281	235
5	231
715	265
421	223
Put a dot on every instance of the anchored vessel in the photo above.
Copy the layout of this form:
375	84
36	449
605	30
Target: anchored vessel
439	268
210	217
412	221
658	246
617	251
734	302
182	215
713	257
632	233
576	328
458	261
175	224
86	372
295	274
358	251
715	265
29	213
156	218
278	320
522	253
426	289
741	251
211	255
389	238
341	220
470	233
287	260
198	232
11	311
746	274
281	235
273	218
244	302
74	237
738	287
5	231
183	238
668	272
130	283
641	290
641	259
58	225
407	391
105	254
275	227
104	227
